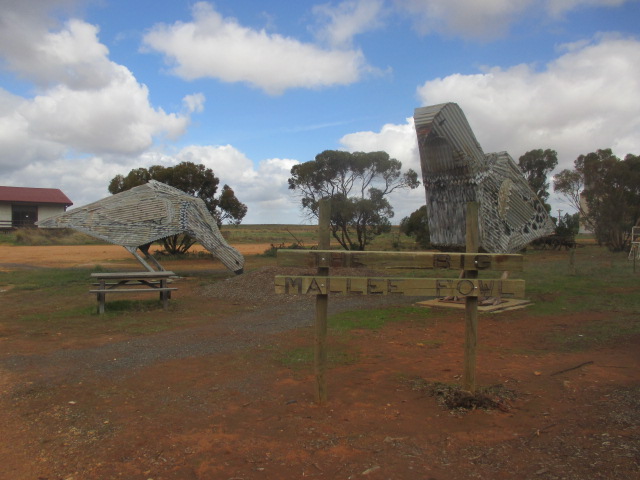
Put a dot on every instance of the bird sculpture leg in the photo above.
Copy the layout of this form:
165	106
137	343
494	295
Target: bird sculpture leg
145	250
497	300
453	298
132	251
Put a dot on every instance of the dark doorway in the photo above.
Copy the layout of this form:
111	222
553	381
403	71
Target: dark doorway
23	216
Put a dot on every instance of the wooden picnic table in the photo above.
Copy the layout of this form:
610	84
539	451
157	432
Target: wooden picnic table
132	282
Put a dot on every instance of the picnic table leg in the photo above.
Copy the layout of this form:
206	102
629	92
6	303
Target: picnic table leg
164	295
101	298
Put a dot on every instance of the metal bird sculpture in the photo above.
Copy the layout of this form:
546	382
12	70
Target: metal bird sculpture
455	171
146	213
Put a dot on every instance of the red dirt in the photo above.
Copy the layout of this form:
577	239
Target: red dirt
59	256
97	403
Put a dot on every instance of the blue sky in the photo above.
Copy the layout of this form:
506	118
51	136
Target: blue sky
93	88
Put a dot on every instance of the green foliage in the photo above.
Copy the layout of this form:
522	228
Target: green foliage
369	319
416	225
191	178
611	190
276	234
272	251
52	236
302	358
598	333
375	319
358	185
603	283
42	279
536	165
568	225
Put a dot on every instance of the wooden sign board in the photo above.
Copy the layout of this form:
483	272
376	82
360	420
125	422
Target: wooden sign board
419	260
421	287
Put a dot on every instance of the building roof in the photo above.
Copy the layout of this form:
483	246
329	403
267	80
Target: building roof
34	195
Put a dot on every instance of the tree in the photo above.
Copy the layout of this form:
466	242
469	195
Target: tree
358	185
568	225
611	192
417	225
536	165
195	179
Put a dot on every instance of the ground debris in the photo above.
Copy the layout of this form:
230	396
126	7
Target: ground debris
454	397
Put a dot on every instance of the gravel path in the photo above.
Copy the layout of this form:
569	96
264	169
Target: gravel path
270	314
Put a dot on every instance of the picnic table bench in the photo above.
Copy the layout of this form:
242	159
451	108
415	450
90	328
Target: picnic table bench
132	282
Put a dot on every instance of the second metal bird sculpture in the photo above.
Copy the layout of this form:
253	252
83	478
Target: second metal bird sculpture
455	171
146	213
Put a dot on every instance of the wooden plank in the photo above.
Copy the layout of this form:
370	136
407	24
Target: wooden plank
505	306
132	290
132	275
419	260
150	283
421	287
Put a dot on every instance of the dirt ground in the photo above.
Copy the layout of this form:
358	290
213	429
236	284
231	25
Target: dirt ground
218	395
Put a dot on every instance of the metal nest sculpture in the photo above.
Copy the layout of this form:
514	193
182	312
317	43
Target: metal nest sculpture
455	171
146	213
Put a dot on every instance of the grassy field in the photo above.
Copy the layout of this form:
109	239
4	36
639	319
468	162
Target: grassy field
277	235
600	282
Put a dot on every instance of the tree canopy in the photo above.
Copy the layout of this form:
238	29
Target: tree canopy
610	188
536	165
568	225
416	225
358	184
191	178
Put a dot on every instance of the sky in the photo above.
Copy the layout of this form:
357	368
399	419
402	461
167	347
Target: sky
90	89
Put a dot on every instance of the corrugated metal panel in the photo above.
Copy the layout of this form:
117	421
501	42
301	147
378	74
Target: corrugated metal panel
148	213
455	171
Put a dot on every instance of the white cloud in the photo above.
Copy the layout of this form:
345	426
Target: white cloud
225	160
557	8
341	23
116	118
488	19
584	100
263	187
83	180
194	103
71	55
216	47
468	18
84	104
399	141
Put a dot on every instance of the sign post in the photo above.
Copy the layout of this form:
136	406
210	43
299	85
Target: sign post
470	286
322	303
471	304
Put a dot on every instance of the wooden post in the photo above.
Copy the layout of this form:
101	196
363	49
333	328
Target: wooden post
101	296
322	302
572	261
471	303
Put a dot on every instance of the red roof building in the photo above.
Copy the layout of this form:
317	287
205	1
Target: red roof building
24	206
